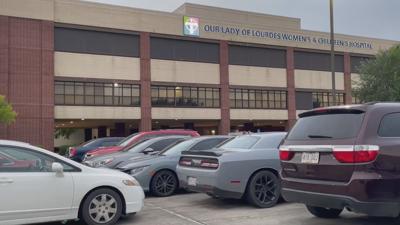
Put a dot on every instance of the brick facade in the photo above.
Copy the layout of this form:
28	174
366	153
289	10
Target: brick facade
145	82
291	90
224	126
27	69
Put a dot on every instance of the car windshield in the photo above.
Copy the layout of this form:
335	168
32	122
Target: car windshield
178	148
241	142
139	147
327	126
126	140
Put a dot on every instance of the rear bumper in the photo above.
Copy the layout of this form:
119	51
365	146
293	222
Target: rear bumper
211	190
384	209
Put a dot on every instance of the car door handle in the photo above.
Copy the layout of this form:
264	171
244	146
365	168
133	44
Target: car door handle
6	181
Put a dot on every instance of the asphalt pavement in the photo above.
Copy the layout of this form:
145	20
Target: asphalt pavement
200	209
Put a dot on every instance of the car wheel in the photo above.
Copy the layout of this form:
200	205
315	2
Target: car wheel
164	183
264	189
324	212
102	206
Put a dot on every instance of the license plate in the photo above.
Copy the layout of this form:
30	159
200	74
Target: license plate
310	158
192	181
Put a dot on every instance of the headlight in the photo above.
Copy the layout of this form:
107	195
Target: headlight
131	183
137	170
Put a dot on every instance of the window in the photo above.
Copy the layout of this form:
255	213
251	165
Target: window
13	159
256	56
241	142
184	50
317	61
161	144
390	126
257	99
270	141
185	96
356	62
96	93
96	42
208	143
324	99
331	126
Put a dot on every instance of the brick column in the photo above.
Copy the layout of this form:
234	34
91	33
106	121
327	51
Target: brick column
225	124
145	82
27	78
347	78
291	90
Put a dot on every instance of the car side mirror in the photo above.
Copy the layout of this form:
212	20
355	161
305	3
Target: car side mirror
57	168
148	150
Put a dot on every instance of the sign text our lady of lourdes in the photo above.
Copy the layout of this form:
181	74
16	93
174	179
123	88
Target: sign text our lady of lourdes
192	27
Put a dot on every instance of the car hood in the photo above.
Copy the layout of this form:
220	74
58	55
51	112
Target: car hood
138	161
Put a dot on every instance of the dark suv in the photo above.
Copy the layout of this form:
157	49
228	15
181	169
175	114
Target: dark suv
344	157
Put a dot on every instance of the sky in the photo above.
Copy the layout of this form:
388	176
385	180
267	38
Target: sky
369	18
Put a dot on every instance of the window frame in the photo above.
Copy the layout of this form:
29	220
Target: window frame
261	97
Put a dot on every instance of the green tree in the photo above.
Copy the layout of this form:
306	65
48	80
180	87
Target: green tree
380	77
7	114
64	132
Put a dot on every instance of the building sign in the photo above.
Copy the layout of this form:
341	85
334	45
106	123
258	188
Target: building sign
191	26
283	36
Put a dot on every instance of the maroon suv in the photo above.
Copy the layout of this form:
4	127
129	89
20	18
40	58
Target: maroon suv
344	157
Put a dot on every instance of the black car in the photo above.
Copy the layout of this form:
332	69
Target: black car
78	153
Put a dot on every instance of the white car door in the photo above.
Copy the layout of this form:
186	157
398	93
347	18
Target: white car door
29	190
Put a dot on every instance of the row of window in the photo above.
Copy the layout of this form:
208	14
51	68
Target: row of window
324	99
115	94
257	99
185	96
127	44
90	93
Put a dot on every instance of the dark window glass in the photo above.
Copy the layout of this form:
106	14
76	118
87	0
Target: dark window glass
171	49
317	61
160	145
14	159
185	96
96	42
254	56
331	126
89	93
262	99
356	62
390	126
207	144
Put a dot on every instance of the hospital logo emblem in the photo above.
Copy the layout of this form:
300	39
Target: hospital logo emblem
190	26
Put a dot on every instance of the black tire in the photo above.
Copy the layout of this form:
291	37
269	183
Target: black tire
164	183
94	205
324	212
263	189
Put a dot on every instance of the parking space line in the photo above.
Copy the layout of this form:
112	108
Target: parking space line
177	214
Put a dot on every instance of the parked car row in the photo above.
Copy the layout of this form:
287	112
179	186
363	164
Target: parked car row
333	158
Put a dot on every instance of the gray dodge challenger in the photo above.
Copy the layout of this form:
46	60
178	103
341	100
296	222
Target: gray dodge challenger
245	167
156	173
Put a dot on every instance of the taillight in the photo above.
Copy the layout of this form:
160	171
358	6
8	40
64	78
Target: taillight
357	154
198	162
285	154
72	152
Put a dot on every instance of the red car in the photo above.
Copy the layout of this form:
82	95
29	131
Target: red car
136	138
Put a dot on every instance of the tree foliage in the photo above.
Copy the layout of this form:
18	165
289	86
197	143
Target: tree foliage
380	77
64	132
7	114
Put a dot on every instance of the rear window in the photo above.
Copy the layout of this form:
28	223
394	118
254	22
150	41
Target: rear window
390	126
328	126
241	142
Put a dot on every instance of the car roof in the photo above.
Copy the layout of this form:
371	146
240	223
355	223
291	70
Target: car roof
264	134
154	139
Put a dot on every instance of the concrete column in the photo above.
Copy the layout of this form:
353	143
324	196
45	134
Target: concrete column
224	125
145	82
347	79
291	90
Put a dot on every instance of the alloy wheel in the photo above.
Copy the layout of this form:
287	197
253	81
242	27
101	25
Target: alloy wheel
103	208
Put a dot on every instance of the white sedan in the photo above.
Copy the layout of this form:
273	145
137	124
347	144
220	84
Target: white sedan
39	186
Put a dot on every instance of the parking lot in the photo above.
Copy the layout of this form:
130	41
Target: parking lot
199	209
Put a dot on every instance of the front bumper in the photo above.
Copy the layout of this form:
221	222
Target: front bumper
384	209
